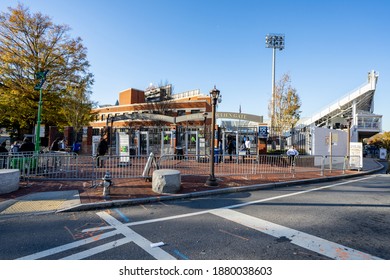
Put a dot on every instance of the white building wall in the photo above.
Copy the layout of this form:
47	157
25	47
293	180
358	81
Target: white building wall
320	142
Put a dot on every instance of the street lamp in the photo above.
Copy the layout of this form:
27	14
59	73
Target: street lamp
42	77
274	41
215	96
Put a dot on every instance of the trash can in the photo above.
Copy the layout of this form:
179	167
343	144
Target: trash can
132	151
179	152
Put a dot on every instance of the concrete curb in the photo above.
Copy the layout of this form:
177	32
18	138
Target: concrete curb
146	200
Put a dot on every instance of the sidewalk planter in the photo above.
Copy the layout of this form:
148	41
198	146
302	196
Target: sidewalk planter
9	180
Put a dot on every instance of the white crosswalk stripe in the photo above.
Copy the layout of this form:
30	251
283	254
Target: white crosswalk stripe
310	242
304	240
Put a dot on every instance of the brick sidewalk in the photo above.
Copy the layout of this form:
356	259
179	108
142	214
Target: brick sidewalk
139	188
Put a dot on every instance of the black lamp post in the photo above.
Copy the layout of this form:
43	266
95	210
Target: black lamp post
215	95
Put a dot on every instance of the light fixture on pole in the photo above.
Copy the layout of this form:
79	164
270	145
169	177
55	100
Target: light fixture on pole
41	75
274	41
215	96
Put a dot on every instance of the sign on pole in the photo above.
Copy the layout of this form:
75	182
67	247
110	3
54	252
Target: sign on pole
382	153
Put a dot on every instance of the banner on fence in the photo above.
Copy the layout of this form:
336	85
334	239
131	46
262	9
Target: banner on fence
95	143
123	148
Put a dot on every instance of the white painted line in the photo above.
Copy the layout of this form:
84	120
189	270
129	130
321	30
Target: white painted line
142	242
79	243
304	240
68	246
226	207
98	249
292	194
151	220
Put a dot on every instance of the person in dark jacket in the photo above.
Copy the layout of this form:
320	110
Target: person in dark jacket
3	154
55	145
230	148
27	146
3	149
76	147
102	149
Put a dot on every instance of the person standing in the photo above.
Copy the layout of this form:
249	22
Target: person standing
76	147
292	153
62	145
15	147
27	145
3	148
3	154
102	149
248	146
55	146
230	149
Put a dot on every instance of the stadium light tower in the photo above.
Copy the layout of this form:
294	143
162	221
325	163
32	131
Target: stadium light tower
274	41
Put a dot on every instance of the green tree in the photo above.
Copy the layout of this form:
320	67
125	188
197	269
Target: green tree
287	106
76	108
30	43
380	140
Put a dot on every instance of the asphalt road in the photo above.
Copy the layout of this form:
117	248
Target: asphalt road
347	219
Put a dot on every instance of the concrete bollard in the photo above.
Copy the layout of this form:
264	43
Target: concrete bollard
166	181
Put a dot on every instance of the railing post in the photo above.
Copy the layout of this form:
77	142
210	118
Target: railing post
345	164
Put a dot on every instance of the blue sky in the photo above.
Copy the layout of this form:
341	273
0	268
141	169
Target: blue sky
196	44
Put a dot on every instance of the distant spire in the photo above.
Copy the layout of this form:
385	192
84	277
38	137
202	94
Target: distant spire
239	109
